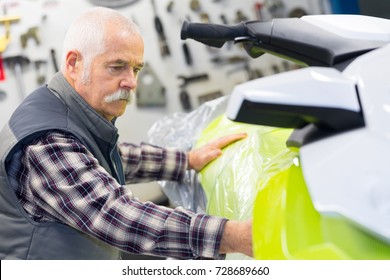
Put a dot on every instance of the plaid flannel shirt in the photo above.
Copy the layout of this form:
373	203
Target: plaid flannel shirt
57	179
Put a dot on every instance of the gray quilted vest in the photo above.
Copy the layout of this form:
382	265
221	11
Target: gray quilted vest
59	108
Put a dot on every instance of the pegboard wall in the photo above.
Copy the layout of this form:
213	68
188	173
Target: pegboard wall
36	38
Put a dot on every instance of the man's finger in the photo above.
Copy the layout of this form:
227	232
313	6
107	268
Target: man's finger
226	140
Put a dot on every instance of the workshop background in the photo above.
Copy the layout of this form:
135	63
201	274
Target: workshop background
179	75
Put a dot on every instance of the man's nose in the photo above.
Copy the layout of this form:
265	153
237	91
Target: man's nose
130	79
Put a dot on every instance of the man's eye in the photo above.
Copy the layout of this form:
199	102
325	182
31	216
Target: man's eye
116	69
137	70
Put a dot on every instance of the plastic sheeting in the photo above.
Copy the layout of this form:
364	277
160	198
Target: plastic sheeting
182	130
231	182
228	186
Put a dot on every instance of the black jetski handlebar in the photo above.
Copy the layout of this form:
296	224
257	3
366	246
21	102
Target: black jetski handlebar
291	38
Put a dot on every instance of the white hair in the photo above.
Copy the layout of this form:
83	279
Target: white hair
88	32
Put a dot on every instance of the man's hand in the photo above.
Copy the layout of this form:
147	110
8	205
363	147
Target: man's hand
237	238
200	157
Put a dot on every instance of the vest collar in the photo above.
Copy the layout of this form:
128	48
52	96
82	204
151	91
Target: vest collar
95	123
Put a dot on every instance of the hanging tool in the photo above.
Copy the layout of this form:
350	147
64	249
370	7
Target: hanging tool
276	8
185	100
297	12
209	96
187	54
240	16
195	5
252	73
150	90
164	48
191	79
259	11
184	97
170	6
2	74
54	60
40	67
204	17
224	19
32	33
17	63
5	39
3	95
220	60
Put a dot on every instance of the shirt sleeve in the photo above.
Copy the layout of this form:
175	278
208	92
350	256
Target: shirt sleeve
151	163
68	184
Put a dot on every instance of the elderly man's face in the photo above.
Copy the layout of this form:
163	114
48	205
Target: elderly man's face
113	76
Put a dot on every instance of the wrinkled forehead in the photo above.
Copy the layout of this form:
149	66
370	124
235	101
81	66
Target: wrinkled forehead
124	52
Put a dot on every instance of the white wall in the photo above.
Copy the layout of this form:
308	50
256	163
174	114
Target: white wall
52	18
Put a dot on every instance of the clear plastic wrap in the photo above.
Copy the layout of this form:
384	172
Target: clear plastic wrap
231	182
182	130
228	186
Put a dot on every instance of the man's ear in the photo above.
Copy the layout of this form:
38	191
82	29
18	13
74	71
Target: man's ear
72	62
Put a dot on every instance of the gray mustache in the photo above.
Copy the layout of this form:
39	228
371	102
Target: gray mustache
121	94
